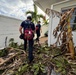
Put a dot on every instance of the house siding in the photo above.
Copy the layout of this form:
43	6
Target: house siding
71	3
44	29
9	27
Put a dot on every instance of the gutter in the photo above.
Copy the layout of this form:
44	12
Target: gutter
61	2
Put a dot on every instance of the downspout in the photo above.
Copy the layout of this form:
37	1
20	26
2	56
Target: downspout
50	26
51	20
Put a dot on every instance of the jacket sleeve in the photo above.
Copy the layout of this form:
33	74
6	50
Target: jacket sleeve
22	24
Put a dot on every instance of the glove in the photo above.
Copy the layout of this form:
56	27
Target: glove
21	36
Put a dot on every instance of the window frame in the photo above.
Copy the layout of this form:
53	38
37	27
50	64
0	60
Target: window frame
67	8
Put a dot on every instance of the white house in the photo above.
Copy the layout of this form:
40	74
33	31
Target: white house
60	6
9	28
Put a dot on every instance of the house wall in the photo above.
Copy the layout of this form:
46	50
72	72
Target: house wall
44	29
9	27
68	4
55	22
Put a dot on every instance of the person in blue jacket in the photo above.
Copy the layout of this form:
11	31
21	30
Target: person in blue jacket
24	25
38	31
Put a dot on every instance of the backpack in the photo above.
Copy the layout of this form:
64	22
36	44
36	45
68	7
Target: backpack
28	33
37	28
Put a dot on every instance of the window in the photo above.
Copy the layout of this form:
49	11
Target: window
73	19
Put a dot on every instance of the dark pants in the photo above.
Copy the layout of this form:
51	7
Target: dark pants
37	39
30	50
38	35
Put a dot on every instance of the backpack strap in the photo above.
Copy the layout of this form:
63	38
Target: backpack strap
29	23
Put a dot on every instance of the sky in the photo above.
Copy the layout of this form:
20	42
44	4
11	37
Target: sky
16	8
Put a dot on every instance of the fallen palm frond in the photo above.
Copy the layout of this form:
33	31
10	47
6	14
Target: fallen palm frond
63	33
43	63
12	60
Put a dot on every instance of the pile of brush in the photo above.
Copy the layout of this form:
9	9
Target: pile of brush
47	60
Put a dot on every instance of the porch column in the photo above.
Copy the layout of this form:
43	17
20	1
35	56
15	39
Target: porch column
50	27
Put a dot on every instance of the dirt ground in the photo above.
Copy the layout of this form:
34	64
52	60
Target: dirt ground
43	39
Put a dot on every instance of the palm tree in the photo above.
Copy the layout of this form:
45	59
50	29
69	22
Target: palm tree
35	15
45	21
